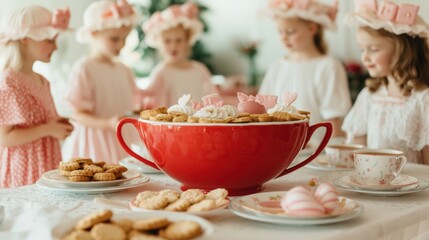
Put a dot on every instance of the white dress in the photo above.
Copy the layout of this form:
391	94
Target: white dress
168	84
391	122
321	84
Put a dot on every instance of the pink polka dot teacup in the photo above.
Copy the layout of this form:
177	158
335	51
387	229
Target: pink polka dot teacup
379	166
341	155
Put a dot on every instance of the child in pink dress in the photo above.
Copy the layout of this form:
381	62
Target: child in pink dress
319	79
101	89
393	110
173	32
30	128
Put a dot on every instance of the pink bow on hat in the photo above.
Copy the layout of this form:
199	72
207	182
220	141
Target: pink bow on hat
389	11
120	9
268	101
61	18
286	4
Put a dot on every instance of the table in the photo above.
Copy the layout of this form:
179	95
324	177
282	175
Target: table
403	217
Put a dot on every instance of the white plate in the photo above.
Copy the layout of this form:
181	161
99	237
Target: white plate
53	186
55	176
134	207
66	226
320	164
345	184
132	163
246	207
399	182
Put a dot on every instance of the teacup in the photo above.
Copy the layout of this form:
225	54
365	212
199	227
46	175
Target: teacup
341	155
379	166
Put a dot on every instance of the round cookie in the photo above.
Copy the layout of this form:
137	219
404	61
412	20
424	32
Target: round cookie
182	230
104	176
150	224
69	166
93	218
107	231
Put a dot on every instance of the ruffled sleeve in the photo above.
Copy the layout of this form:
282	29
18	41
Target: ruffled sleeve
80	94
13	106
416	133
356	122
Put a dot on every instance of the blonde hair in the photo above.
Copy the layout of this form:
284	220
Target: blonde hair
410	66
11	56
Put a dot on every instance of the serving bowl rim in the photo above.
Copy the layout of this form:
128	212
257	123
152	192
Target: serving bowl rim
186	124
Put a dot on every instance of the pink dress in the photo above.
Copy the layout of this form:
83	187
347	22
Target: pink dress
104	90
26	103
168	84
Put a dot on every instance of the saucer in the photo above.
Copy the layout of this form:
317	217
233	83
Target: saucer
53	186
399	182
57	177
321	163
344	183
263	207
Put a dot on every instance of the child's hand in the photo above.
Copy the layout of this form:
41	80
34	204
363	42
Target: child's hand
58	128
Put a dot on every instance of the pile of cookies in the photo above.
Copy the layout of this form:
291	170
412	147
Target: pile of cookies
85	170
191	200
161	115
101	226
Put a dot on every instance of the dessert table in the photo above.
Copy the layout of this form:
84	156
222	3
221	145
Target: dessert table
402	217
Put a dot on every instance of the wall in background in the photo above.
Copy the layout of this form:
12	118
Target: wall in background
232	23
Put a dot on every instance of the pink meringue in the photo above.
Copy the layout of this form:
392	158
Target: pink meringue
327	196
251	107
300	202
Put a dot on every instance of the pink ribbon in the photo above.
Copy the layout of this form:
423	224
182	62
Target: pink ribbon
121	9
188	10
61	18
389	11
268	101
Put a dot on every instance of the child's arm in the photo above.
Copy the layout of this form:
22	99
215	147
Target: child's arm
425	155
336	127
11	136
92	121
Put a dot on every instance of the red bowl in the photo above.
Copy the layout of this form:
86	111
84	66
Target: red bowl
238	157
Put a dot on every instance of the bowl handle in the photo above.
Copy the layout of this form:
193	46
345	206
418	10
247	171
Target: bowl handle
319	149
135	123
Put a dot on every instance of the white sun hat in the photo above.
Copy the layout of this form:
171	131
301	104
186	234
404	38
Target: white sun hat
185	15
35	22
396	18
310	10
106	14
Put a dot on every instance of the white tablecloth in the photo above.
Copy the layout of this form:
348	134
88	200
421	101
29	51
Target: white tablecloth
404	217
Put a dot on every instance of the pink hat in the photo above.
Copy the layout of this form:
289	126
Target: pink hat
106	14
186	15
310	10
395	18
35	22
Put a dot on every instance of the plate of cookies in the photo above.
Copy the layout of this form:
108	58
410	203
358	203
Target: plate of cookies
193	201
104	224
85	173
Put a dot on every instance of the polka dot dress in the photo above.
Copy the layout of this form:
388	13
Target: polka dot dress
26	103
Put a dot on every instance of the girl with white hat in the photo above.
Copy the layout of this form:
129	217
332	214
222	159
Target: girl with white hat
173	32
392	111
319	79
30	128
101	89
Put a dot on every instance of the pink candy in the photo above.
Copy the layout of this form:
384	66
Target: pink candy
299	201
